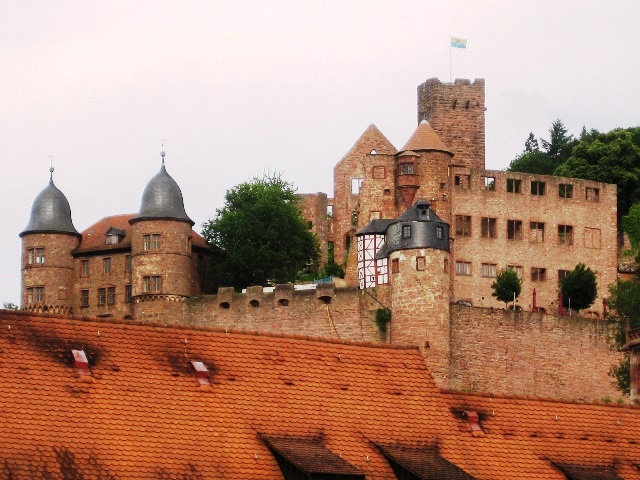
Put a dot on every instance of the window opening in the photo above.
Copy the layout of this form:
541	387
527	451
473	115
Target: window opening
102	296
128	294
565	190
106	265
439	233
462	181
488	227
538	274
537	187
356	185
489	270
84	298
565	235
84	270
395	265
514	229
406	231
592	194
514	185
489	183
463	225
463	268
515	268
111	295
406	169
420	263
536	232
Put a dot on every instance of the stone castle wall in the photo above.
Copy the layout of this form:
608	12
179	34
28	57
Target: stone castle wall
531	354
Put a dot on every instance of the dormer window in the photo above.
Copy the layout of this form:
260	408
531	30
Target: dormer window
406	231
114	236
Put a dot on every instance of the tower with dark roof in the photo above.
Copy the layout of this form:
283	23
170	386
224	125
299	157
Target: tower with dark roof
163	265
47	242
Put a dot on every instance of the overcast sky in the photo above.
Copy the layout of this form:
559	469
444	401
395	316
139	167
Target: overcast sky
239	87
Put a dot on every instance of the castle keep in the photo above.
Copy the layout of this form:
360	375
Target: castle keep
423	231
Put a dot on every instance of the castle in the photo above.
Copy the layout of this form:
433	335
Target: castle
423	230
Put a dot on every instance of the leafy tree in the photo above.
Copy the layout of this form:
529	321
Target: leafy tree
262	233
507	286
9	306
624	301
579	288
535	162
612	157
631	225
531	145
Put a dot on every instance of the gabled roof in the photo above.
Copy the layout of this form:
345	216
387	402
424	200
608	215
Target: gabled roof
94	237
371	139
425	138
378	225
143	414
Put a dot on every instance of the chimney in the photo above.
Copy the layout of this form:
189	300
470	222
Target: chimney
81	363
202	373
633	345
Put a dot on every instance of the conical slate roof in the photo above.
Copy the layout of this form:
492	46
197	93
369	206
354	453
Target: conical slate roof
50	213
425	138
162	199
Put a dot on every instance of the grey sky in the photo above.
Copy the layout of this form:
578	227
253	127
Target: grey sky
239	87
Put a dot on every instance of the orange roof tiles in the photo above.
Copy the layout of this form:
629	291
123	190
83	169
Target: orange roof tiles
94	237
143	415
425	138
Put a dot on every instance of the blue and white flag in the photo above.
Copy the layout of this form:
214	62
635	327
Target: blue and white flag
458	42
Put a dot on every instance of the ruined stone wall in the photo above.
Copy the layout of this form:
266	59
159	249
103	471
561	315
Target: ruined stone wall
588	219
456	113
357	164
313	207
531	354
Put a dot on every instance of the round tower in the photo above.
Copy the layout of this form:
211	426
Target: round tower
161	254
47	263
423	170
417	246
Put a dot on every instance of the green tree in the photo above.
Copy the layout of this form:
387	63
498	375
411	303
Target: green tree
559	145
262	234
579	288
507	286
631	225
10	306
535	162
624	301
612	157
531	144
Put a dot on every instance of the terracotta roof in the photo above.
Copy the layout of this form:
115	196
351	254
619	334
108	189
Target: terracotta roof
94	237
144	415
425	138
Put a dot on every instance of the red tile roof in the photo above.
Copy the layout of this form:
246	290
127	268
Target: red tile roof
142	414
94	237
425	138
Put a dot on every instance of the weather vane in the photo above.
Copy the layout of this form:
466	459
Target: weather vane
162	152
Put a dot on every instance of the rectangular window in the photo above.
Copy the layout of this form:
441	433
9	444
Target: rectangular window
146	242
356	185
537	188
39	256
84	298
489	183
30	256
378	172
156	241
39	294
463	268
406	169
565	190
562	274
489	270
565	235
111	295
30	295
406	231
463	225
514	229
84	268
514	185
538	274
112	239
592	194
462	181
439	233
128	296
395	265
106	265
488	229
152	283
127	263
189	244
515	268
536	232
102	296
420	263
592	238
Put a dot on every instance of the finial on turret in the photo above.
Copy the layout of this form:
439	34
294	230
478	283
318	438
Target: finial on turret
162	152
51	169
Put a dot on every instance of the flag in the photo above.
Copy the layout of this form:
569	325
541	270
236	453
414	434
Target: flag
458	42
